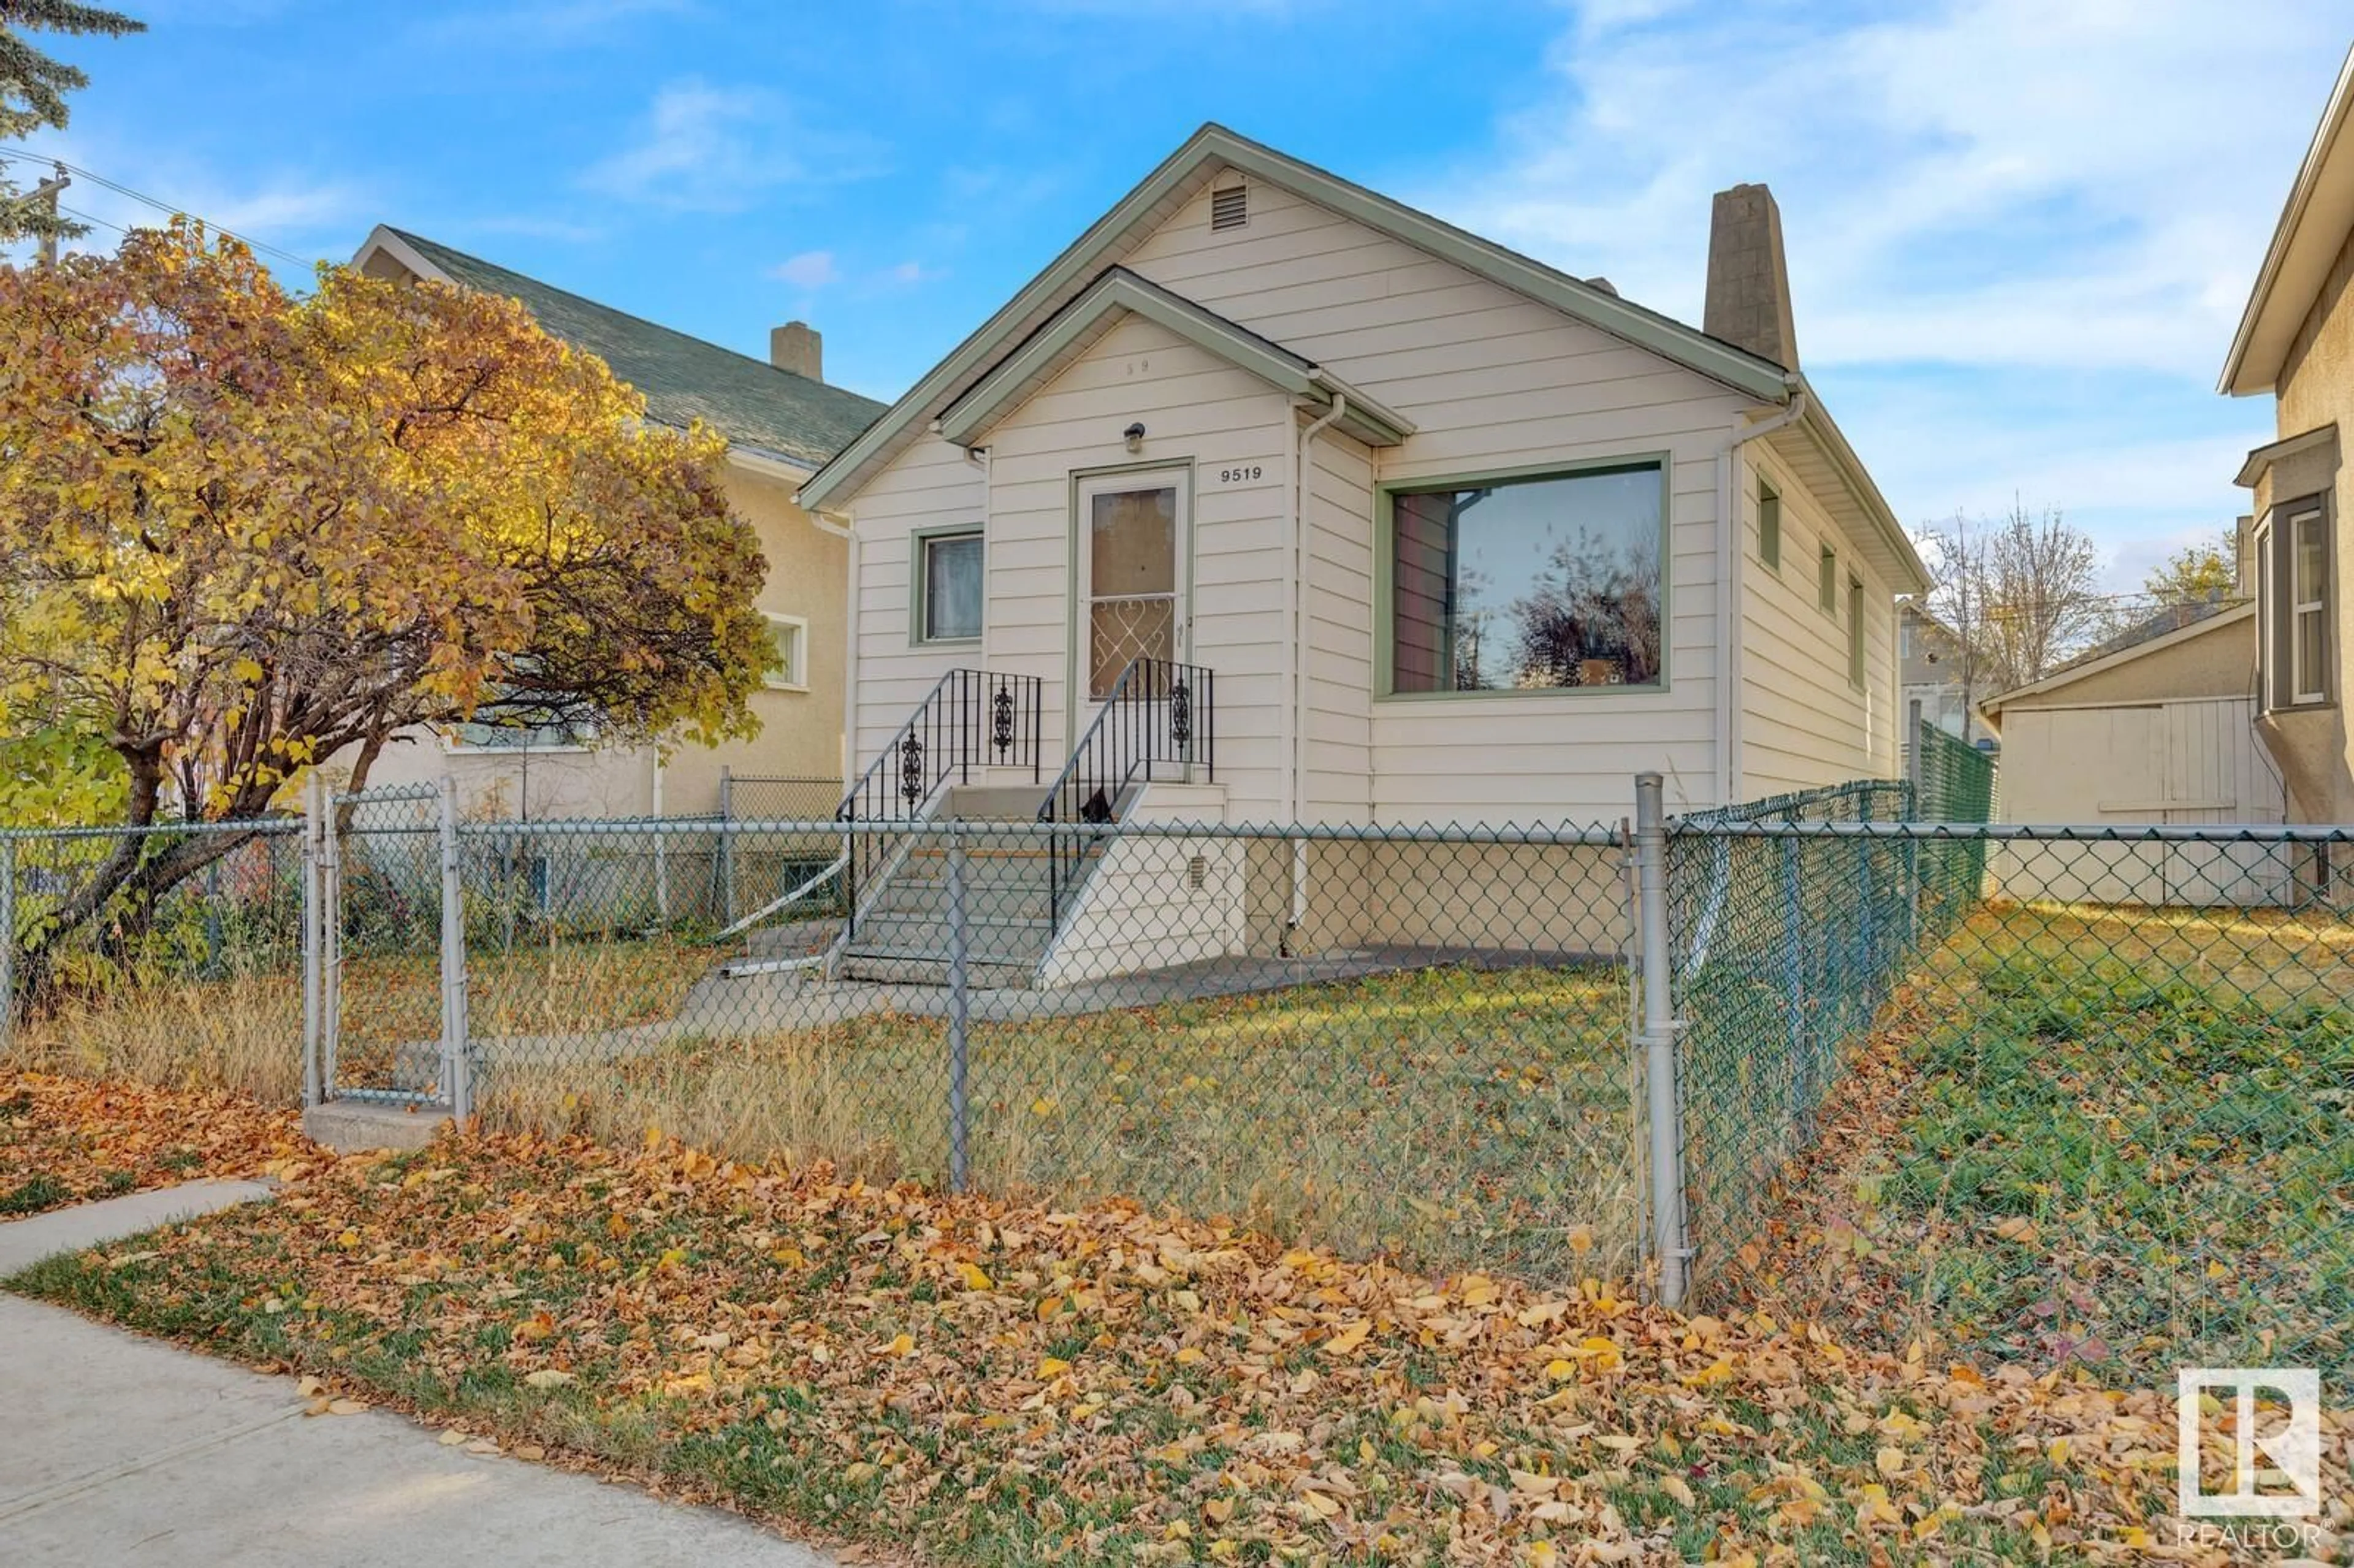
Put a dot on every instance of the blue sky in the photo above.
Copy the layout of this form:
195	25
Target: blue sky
2020	230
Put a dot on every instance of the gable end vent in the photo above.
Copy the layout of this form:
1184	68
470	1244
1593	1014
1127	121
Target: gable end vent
1230	208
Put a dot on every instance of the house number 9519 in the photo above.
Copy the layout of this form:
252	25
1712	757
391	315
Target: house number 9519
1235	475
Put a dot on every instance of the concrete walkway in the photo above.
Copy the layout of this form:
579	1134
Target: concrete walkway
120	1450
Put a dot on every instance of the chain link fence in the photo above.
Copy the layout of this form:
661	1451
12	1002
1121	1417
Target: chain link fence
2042	1095
1412	1040
168	955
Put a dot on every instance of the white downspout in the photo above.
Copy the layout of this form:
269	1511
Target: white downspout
1729	558
1296	701
846	743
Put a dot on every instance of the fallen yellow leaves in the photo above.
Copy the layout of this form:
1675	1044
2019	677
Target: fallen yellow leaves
971	1377
67	1140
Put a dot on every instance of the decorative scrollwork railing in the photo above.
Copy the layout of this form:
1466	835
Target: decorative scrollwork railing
973	718
1157	714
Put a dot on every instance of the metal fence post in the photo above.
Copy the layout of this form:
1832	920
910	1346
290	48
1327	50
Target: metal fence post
7	942
315	791
1794	978
331	940
727	849
457	1066
959	1005
1657	1039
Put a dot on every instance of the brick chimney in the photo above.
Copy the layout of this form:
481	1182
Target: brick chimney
1748	282
798	347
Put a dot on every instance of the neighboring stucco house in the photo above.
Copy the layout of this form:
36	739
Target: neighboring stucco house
2156	724
781	422
2296	342
1929	675
1382	523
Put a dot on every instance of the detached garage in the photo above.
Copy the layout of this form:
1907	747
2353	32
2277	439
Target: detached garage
2157	728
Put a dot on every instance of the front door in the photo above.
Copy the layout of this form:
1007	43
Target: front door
1131	570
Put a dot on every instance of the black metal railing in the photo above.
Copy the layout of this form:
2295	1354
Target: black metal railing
972	718
1157	714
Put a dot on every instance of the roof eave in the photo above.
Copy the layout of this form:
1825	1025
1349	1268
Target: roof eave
2260	343
2074	672
996	395
1213	144
383	237
1910	574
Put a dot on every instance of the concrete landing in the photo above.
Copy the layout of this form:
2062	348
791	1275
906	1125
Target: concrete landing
349	1126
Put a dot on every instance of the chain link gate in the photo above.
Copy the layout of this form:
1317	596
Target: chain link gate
383	949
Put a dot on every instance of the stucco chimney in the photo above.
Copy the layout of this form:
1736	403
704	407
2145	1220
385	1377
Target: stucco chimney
1748	282
797	346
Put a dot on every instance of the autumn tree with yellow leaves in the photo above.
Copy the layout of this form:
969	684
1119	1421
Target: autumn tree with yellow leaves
241	532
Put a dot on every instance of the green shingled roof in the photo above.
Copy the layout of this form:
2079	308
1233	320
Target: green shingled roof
683	378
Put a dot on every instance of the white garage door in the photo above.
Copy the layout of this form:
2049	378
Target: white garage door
2193	761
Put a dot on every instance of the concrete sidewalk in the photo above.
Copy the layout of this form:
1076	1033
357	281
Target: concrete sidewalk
120	1450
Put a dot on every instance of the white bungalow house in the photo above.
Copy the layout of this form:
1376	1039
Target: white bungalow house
1272	500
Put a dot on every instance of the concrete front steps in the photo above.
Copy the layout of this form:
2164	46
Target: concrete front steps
902	933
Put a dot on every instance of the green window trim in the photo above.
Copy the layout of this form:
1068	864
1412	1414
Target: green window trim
1769	525
1827	581
919	545
1384	572
1855	629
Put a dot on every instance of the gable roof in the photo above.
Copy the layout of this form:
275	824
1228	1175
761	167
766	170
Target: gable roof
1118	294
1111	238
2168	628
751	402
2312	228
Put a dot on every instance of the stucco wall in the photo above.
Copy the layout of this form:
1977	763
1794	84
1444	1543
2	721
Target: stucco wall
2316	389
2219	661
800	732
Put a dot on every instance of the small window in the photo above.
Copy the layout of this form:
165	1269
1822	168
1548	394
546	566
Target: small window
1769	525
791	634
1855	632
1827	581
947	587
1230	207
1527	583
2309	606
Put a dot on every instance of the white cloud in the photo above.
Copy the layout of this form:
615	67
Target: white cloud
910	273
702	147
810	270
308	216
1993	181
2046	212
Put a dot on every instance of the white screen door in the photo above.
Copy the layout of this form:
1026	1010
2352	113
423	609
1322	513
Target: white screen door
1131	573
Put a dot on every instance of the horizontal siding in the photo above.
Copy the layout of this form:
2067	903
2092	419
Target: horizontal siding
1804	723
1197	408
1491	381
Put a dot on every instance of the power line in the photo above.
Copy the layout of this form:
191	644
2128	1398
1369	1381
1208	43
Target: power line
168	209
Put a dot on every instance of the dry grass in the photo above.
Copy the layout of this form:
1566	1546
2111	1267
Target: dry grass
1451	1116
241	1032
